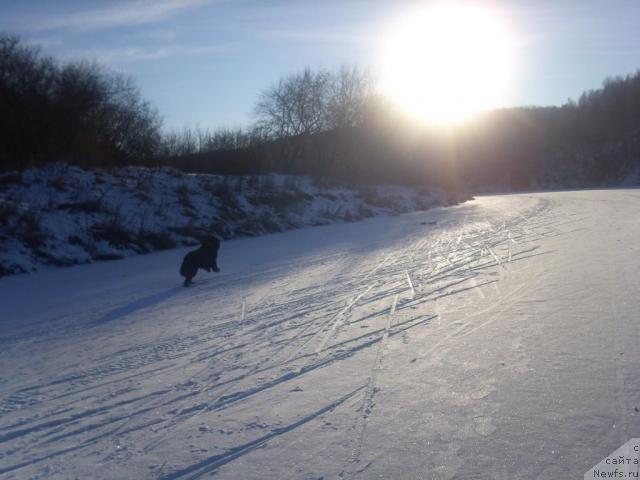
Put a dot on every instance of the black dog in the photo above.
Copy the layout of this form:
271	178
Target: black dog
205	257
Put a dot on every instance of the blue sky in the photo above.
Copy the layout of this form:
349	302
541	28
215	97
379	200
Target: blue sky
204	62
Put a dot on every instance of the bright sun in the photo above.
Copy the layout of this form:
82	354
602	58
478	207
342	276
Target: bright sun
448	61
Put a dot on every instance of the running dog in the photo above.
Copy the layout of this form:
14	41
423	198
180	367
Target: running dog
205	257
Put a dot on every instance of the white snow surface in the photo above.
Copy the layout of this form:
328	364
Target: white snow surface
500	342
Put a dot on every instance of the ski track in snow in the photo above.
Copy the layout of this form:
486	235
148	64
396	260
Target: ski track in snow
172	383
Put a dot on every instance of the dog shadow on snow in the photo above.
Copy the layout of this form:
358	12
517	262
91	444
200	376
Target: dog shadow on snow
139	304
150	300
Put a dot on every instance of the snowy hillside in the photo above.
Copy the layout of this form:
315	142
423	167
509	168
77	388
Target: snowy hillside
496	339
63	215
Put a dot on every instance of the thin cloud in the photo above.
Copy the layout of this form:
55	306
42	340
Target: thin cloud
44	42
136	12
169	35
135	54
319	36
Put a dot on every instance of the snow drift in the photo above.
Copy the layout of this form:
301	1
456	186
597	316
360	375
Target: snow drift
64	215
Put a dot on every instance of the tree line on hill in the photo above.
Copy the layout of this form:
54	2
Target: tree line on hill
76	112
320	123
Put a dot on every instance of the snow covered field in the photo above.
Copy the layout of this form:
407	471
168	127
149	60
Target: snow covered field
64	215
495	339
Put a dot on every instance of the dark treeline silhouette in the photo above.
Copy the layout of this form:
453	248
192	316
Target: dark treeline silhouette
76	112
334	125
324	124
320	123
592	142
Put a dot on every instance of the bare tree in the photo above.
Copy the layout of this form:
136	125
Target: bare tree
310	102
296	105
351	92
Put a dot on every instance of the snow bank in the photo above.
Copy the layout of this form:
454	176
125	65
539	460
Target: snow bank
64	215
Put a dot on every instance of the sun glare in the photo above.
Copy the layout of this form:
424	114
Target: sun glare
446	62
